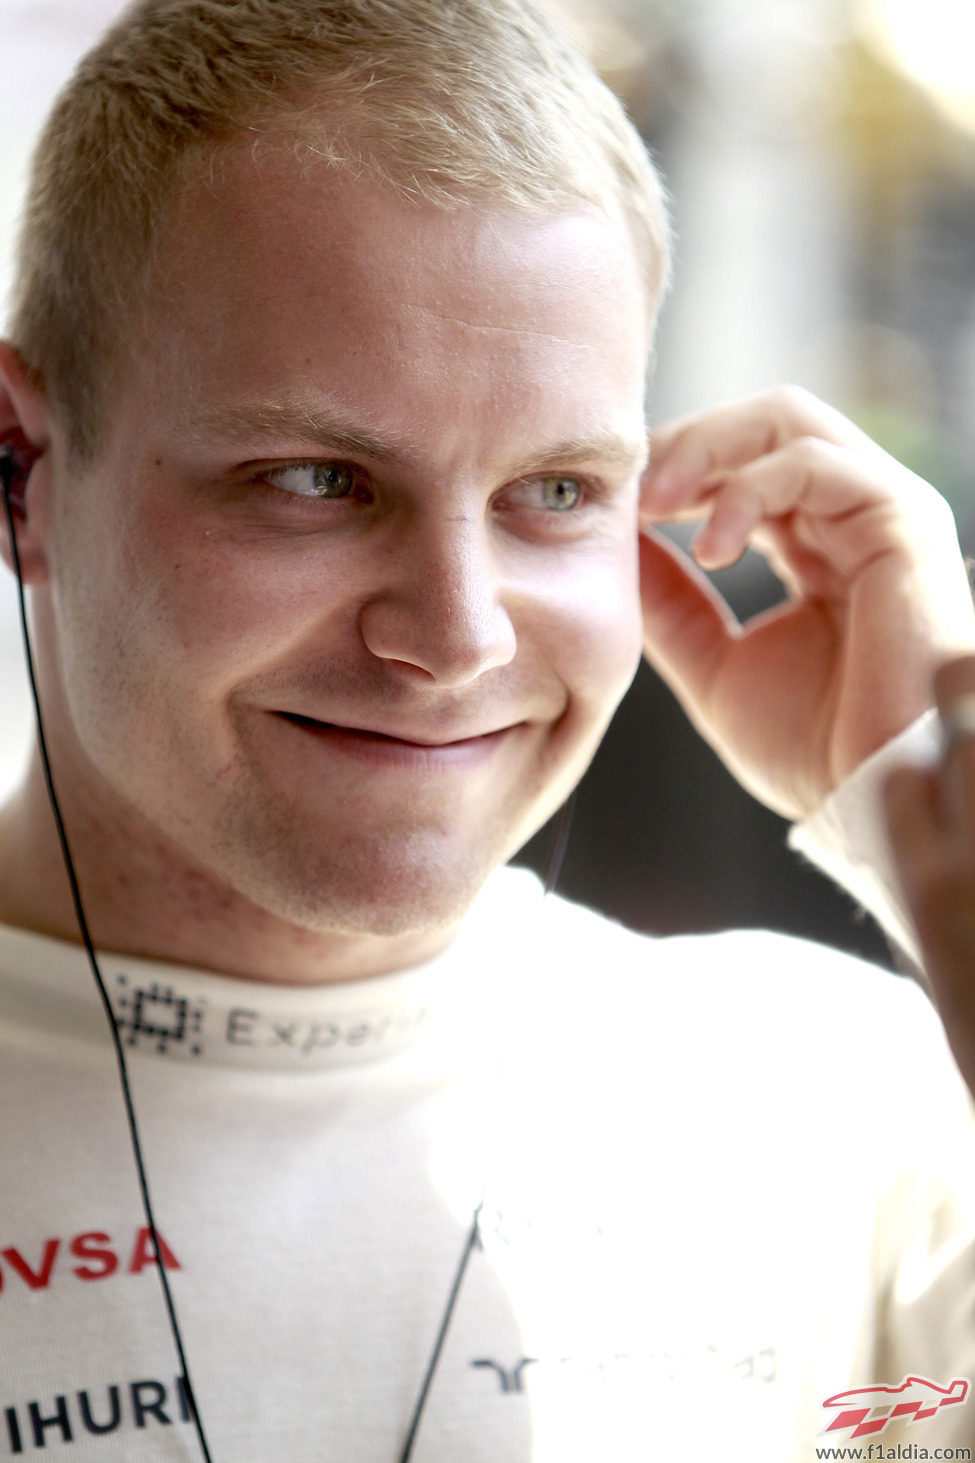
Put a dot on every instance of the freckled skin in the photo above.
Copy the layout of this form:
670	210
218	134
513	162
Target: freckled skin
196	621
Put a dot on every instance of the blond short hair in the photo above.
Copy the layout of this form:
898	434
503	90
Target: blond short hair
448	101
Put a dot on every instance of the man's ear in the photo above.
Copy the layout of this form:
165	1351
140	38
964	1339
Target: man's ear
24	439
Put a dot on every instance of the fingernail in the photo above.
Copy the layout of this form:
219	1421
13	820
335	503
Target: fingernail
715	550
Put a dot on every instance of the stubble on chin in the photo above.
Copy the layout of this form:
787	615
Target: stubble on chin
410	875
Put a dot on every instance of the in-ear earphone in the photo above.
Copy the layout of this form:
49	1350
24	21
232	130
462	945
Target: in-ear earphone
13	476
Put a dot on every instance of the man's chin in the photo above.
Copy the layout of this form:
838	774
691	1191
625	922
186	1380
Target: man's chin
390	894
380	871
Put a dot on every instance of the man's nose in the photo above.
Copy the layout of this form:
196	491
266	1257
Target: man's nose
442	608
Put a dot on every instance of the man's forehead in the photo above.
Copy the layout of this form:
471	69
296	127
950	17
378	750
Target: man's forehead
275	195
335	315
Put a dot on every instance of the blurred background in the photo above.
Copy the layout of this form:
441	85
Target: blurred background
820	155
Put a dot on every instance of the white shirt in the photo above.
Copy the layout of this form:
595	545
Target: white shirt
723	1179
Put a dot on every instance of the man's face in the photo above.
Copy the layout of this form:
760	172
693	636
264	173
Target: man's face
346	602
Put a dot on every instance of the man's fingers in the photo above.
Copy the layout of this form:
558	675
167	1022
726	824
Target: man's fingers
686	452
688	627
842	502
737	510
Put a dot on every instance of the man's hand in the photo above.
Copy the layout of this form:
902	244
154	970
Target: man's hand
931	822
878	595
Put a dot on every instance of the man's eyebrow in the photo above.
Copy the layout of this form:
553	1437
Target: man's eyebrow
265	420
334	431
608	447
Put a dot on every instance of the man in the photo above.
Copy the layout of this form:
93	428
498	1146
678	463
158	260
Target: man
326	462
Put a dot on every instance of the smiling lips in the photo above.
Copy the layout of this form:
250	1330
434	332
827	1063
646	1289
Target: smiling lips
373	745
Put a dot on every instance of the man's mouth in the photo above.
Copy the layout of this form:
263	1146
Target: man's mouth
407	738
408	745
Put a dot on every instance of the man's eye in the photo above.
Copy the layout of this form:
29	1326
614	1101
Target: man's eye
560	494
316	479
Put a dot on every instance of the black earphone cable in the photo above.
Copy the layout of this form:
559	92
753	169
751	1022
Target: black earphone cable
8	472
421	1401
561	828
560	837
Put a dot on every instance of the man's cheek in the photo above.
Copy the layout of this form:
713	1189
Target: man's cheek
604	623
205	615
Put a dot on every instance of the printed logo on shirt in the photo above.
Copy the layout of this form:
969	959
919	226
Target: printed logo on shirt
251	1028
868	1411
91	1255
157	1018
510	1378
100	1411
648	1368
